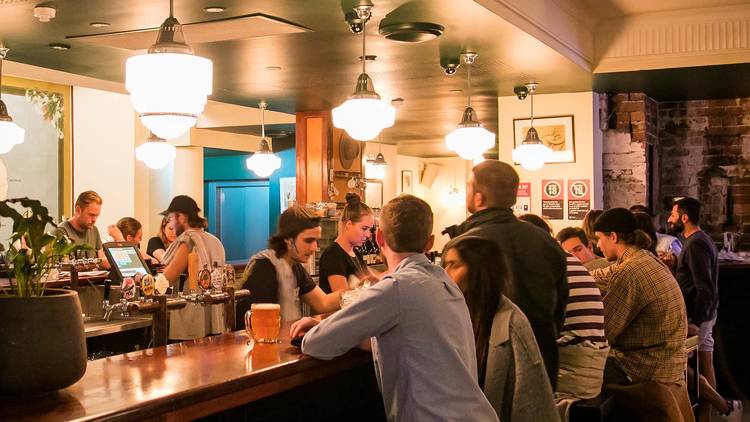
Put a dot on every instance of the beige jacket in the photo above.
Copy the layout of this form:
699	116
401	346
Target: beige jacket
516	382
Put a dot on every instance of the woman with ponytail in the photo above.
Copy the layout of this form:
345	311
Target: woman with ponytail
340	261
644	313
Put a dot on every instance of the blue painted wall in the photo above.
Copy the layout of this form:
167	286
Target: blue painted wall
233	168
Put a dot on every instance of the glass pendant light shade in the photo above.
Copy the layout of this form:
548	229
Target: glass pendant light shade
531	157
363	115
169	86
264	162
470	140
10	133
156	153
364	118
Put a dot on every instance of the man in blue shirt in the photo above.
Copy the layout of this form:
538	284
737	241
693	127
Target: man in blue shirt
417	323
697	273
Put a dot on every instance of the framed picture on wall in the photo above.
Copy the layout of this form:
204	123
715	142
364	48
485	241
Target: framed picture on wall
287	192
406	181
556	132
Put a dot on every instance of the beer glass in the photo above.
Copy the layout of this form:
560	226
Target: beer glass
263	322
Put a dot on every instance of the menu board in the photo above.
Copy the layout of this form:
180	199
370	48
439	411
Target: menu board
552	199
579	198
523	199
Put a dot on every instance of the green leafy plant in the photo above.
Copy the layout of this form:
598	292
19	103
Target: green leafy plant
32	251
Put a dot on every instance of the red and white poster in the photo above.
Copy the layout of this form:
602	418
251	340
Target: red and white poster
523	199
552	199
579	198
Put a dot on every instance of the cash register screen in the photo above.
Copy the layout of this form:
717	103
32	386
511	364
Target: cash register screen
127	260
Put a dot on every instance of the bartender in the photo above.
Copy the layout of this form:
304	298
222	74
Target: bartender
191	322
81	228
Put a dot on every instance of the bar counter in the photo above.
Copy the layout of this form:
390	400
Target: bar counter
189	380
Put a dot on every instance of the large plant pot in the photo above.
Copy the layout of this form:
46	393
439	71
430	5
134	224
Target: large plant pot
42	342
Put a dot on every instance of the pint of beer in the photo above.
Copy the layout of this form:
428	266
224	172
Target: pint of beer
264	321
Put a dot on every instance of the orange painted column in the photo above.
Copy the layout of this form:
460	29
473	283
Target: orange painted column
313	137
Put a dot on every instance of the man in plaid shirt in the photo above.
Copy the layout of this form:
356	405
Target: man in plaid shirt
644	312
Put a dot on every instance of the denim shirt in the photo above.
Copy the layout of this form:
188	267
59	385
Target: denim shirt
423	344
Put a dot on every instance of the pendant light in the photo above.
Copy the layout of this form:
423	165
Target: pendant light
363	115
376	167
263	162
169	85
470	139
10	133
532	153
156	152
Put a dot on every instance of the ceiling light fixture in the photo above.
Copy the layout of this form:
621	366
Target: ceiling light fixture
169	85
532	154
214	9
99	24
263	162
59	46
470	139
156	152
376	167
363	115
45	12
10	133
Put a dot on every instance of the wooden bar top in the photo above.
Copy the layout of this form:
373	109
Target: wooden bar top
181	381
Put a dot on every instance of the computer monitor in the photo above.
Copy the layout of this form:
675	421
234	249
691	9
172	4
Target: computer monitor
125	260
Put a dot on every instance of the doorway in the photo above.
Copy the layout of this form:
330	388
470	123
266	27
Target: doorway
238	214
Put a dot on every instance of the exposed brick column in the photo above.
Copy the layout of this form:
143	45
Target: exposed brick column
626	151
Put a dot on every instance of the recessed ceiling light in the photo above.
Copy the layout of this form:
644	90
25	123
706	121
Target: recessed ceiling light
59	46
214	9
456	90
272	68
99	24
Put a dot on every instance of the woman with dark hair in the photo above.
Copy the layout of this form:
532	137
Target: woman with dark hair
157	245
645	223
340	261
276	274
511	371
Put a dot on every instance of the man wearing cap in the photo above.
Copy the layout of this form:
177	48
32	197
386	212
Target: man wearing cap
191	322
644	313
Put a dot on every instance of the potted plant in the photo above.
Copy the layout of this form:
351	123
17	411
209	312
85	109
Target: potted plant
43	345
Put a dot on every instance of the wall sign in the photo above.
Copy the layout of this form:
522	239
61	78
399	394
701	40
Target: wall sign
579	198
523	199
552	199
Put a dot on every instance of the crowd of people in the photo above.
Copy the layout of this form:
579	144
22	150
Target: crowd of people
519	323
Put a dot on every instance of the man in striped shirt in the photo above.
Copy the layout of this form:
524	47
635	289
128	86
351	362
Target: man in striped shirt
582	344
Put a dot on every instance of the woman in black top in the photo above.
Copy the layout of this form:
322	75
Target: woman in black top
339	261
157	245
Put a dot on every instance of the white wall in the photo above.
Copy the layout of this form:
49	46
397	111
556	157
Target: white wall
584	106
448	209
103	158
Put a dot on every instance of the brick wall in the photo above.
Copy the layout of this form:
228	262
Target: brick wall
705	153
626	151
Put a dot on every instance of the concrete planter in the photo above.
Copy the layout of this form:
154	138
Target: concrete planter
43	346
